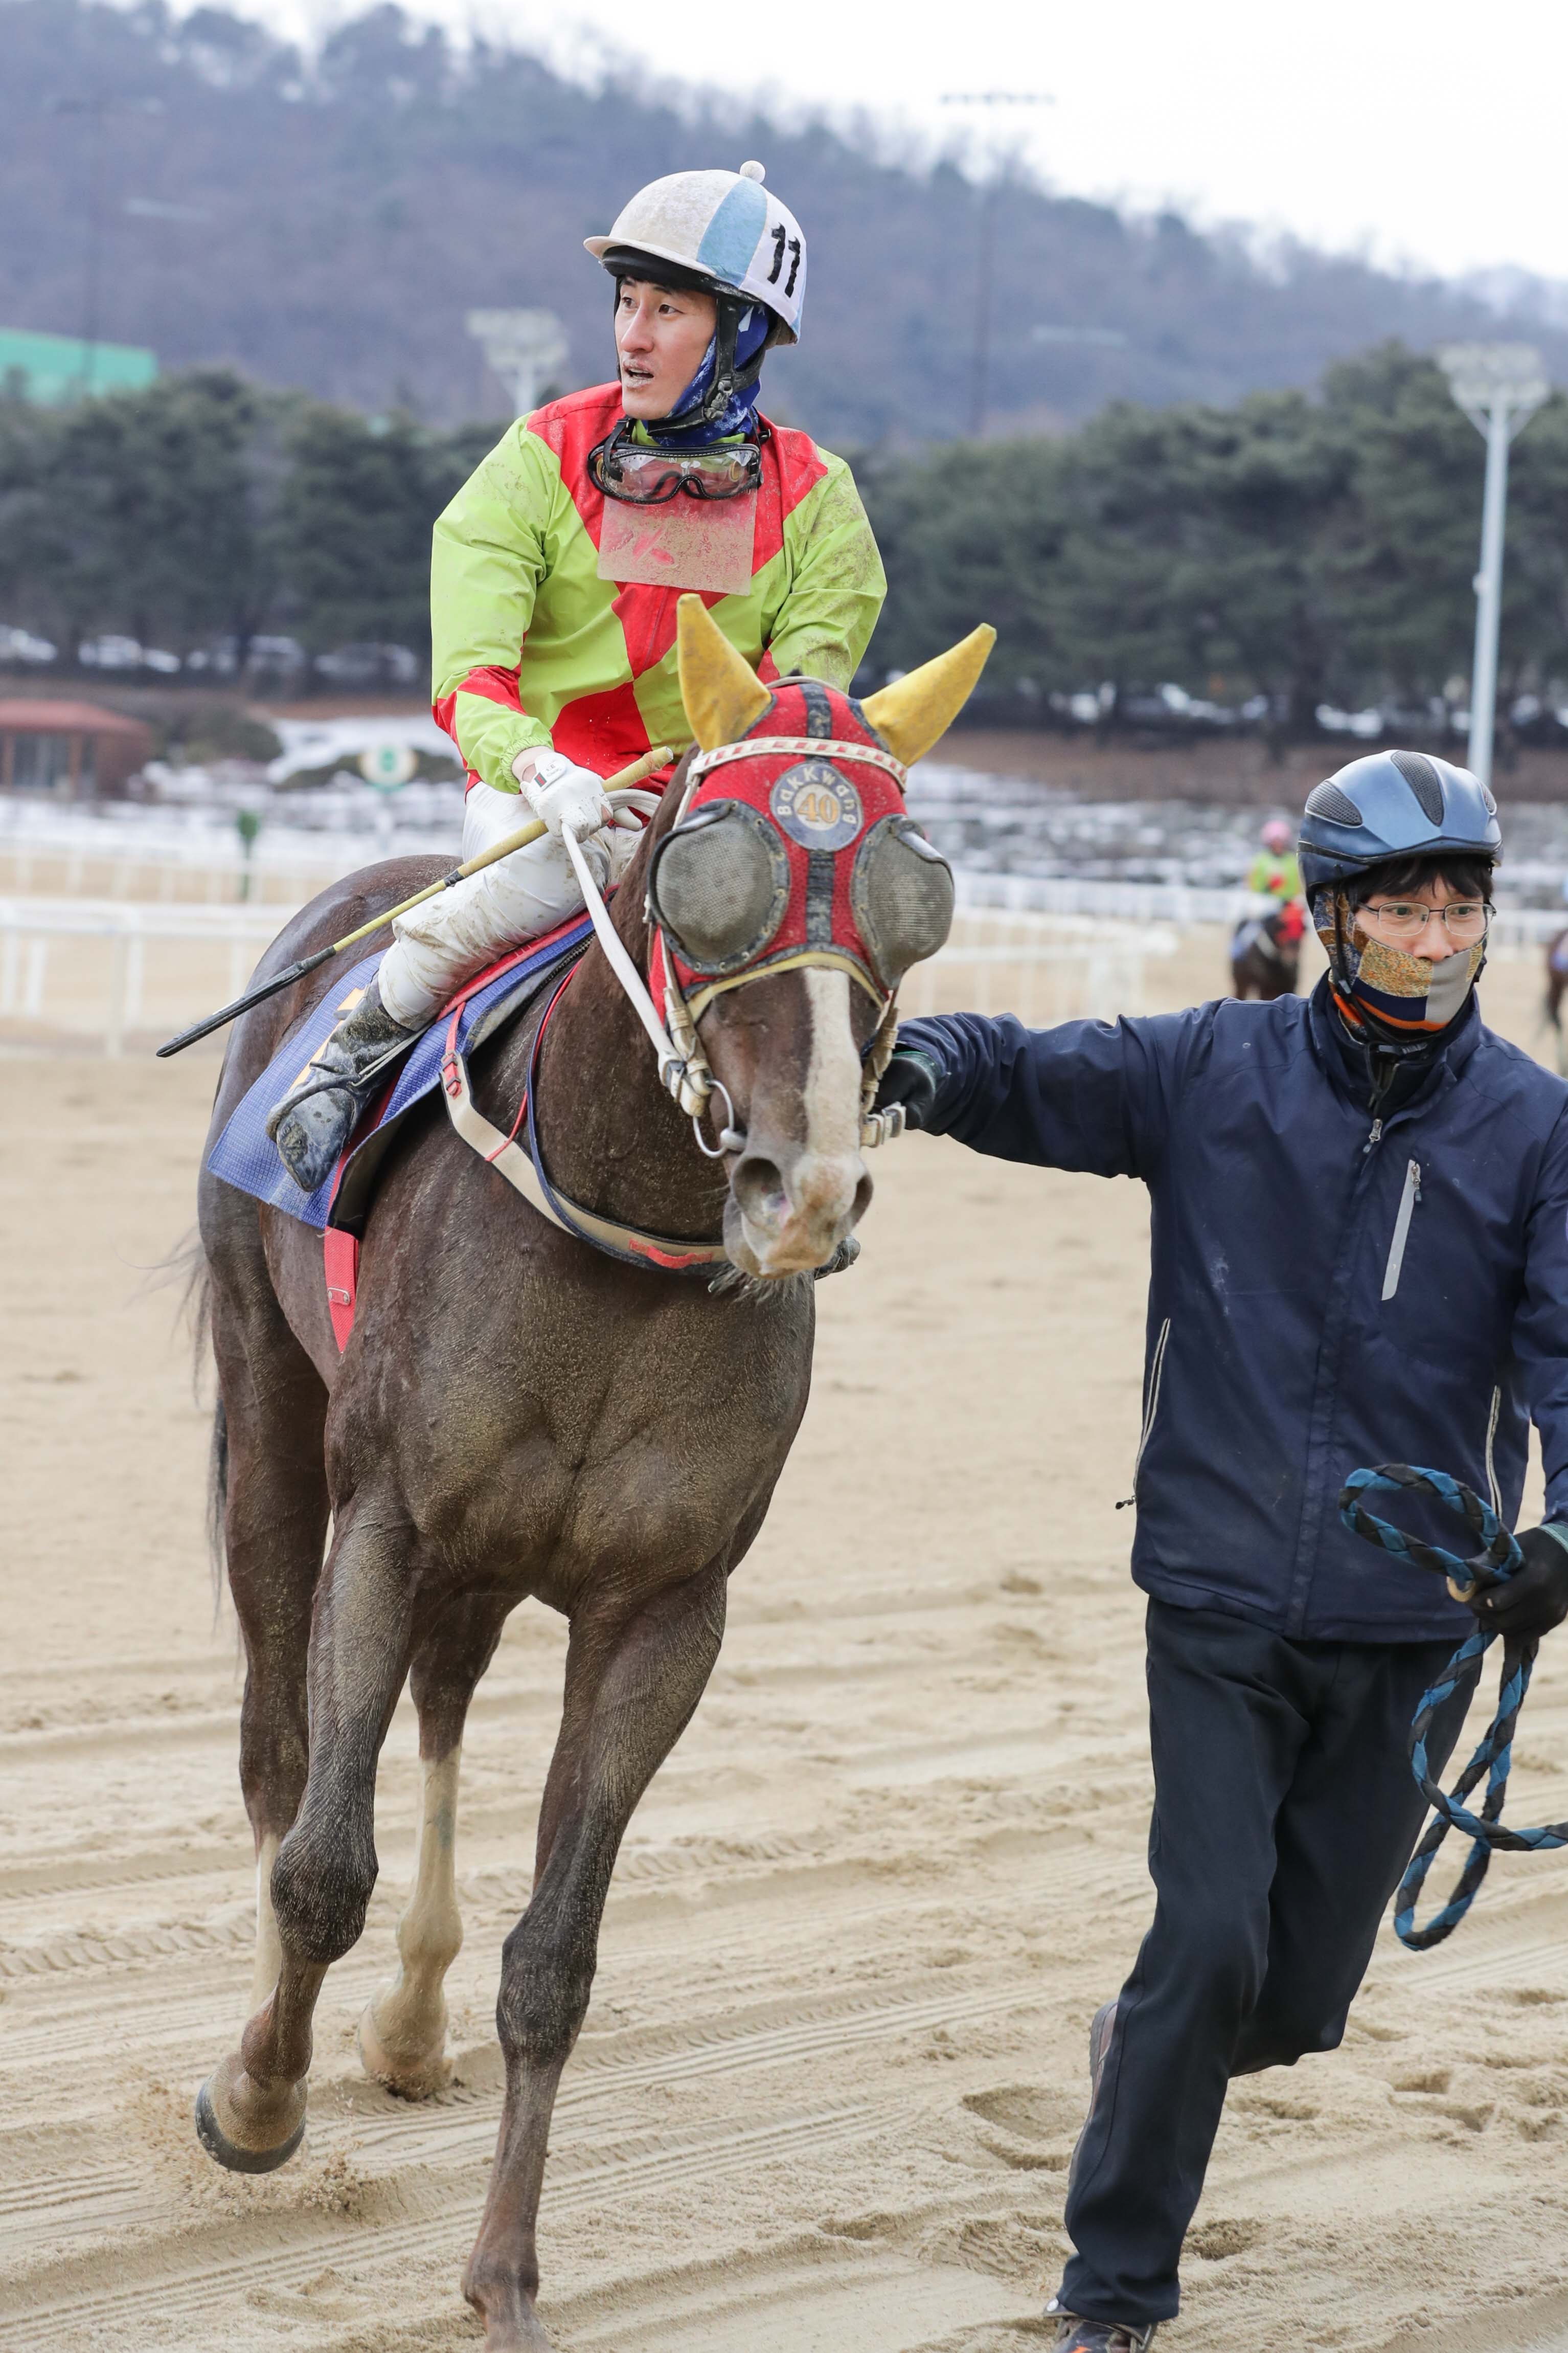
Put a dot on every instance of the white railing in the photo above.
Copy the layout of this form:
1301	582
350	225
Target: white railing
101	989
109	970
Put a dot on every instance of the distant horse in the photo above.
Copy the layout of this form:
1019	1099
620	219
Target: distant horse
1556	987
518	1416
1266	953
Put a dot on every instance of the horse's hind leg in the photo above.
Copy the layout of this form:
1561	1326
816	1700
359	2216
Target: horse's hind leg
250	2114
403	2033
274	1514
632	1686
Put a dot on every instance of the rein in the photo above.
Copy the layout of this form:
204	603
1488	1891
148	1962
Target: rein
1497	1560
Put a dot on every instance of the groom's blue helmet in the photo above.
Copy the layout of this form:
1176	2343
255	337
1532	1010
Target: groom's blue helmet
1394	804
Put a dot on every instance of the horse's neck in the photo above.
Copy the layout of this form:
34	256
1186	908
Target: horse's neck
609	1136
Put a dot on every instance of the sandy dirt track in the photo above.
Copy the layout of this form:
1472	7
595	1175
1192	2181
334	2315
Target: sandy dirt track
834	2061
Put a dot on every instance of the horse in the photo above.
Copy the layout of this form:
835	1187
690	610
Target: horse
1556	985
1266	954
517	1416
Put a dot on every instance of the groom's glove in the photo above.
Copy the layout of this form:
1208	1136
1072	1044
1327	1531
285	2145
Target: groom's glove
912	1078
1534	1600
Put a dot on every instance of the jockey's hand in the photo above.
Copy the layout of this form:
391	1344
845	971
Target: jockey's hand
568	798
1534	1600
911	1079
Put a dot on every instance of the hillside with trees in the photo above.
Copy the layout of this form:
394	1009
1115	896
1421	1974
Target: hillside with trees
327	223
1304	550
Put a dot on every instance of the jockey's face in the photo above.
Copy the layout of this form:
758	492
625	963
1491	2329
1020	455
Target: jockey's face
661	333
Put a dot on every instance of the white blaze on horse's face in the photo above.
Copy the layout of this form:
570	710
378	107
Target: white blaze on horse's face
801	1184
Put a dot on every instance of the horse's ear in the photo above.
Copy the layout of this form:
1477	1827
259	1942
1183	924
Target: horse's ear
918	709
722	694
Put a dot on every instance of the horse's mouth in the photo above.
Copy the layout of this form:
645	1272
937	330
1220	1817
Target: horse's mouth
777	1226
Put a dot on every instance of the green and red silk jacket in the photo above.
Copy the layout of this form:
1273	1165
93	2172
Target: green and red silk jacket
532	648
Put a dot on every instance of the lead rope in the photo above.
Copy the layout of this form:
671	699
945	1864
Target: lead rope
1498	1559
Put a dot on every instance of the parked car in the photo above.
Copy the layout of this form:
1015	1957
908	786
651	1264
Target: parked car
370	665
110	652
21	645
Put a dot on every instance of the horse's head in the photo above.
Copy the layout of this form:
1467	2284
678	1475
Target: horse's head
787	899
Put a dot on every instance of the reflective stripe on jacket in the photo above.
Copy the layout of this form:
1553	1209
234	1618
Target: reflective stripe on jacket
533	648
1317	1300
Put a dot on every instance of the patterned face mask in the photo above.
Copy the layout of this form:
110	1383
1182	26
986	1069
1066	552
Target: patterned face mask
1400	998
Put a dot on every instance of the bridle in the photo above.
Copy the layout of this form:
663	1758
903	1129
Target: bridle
683	1066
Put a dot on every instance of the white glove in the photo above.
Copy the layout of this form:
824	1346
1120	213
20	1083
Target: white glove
568	798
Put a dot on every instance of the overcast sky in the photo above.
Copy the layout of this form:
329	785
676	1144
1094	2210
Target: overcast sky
1427	131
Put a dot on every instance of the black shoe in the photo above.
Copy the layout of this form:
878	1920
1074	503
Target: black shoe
315	1119
1099	2032
1076	2335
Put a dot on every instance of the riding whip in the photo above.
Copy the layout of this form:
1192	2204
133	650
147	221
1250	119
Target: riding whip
658	757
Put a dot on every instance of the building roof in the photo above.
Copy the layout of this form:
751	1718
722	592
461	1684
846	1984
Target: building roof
44	718
52	369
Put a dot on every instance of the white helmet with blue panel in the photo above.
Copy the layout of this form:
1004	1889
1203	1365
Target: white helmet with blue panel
721	228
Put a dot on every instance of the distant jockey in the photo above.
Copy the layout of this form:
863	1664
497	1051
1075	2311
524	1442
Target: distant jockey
1277	930
553	582
1275	873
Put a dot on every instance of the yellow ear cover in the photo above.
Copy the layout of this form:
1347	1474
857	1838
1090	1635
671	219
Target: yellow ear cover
721	692
918	709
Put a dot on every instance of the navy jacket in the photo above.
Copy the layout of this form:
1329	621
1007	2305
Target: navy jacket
1275	1362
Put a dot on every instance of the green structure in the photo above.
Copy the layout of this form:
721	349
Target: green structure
53	369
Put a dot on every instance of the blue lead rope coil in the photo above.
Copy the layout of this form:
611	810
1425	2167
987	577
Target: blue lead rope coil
1494	1564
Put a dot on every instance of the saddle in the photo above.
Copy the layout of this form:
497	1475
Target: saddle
245	1157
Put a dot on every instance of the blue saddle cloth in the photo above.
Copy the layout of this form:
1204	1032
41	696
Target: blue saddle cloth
246	1156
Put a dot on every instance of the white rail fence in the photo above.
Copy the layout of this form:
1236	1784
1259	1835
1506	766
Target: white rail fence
112	971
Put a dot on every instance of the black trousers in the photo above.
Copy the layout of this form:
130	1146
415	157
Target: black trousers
1285	1812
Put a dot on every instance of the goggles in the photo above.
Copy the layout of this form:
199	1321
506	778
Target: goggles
642	476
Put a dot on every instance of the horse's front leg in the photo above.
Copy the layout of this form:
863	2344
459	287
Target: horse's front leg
633	1682
250	2113
403	2032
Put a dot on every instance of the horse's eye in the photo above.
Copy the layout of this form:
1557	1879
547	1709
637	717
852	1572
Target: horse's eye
901	894
720	886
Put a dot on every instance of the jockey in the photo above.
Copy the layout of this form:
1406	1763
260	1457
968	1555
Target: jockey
553	583
1275	873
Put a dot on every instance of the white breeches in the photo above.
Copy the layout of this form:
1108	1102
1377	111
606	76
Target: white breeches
444	943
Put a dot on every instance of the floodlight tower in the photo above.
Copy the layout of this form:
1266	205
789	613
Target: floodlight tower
524	349
1499	387
990	199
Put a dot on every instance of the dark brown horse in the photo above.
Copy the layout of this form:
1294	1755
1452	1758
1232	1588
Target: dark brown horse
515	1416
1266	954
1556	985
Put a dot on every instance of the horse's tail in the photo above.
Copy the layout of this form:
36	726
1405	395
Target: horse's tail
188	1265
218	1495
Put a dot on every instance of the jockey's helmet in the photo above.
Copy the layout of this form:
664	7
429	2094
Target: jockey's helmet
1276	835
1393	805
719	233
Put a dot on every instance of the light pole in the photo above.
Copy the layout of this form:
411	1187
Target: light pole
1499	387
990	198
96	109
523	350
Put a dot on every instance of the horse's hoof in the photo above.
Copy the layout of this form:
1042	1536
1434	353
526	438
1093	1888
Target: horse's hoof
247	2143
413	2074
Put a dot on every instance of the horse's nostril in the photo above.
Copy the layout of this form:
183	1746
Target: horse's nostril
758	1187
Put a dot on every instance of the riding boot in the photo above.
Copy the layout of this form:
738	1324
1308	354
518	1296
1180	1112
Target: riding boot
315	1119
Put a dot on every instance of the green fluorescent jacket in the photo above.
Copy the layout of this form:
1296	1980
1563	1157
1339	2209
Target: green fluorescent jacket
532	648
